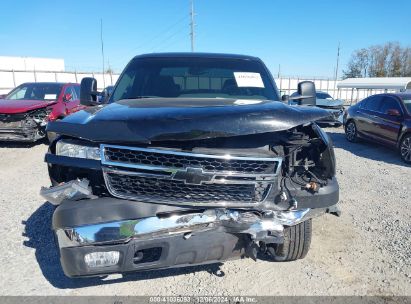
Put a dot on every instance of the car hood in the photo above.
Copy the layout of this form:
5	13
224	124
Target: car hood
20	106
172	119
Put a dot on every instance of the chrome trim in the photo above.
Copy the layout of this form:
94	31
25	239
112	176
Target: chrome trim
173	152
261	178
124	231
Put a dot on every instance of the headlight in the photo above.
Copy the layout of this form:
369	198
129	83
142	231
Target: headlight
71	149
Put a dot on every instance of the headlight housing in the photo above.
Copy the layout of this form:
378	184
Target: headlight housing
75	149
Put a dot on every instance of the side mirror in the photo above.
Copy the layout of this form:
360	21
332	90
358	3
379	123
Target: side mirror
307	93
67	97
393	112
88	91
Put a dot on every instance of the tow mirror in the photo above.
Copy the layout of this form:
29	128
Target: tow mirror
393	112
88	91
306	94
66	97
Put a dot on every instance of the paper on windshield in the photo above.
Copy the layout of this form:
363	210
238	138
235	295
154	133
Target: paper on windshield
50	96
248	79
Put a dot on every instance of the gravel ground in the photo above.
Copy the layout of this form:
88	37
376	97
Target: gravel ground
367	251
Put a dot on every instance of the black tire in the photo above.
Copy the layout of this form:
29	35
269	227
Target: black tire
297	240
351	133
405	149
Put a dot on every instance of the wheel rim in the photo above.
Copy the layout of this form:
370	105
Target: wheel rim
350	131
406	149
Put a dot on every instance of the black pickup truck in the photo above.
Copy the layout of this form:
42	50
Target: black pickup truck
193	160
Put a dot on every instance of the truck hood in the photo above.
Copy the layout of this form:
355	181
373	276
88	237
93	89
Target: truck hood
21	106
179	119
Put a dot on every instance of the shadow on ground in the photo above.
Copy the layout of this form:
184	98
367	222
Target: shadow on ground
23	145
366	149
41	238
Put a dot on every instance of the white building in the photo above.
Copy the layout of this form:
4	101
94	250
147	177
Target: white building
31	64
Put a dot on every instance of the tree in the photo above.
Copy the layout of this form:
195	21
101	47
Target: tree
387	60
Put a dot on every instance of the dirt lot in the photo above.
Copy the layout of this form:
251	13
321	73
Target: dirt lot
367	251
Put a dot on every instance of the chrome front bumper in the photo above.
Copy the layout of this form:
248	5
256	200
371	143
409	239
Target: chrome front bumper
232	221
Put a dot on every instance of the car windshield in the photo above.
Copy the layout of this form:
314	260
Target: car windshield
321	95
36	91
195	78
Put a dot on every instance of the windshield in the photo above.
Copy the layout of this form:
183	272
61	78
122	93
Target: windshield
321	95
36	91
195	77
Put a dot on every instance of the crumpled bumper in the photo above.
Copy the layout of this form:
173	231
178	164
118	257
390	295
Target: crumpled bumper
20	131
148	236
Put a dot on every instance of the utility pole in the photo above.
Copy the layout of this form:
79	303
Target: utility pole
102	48
338	60
192	24
279	71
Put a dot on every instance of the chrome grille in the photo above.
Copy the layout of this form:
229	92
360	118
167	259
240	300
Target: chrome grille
155	175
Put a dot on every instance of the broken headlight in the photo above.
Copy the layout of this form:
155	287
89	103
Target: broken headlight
74	149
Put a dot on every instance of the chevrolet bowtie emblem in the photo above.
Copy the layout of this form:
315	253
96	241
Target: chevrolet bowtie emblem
193	176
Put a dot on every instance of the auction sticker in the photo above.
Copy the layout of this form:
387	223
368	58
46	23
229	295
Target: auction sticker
248	79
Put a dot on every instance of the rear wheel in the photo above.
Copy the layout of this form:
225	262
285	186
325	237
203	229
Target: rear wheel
351	131
405	149
297	240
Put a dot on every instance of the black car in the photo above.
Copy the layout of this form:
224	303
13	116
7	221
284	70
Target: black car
193	160
325	101
382	118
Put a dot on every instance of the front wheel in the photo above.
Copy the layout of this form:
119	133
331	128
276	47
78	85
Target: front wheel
297	240
405	149
351	131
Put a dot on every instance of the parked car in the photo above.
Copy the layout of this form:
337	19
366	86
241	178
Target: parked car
193	160
26	110
105	94
326	101
382	118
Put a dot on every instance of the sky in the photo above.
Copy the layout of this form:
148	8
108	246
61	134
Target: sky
301	37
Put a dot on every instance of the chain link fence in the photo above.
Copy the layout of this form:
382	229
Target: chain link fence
9	79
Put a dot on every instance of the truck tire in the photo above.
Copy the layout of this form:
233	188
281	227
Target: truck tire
297	240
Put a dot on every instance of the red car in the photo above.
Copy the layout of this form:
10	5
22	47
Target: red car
26	110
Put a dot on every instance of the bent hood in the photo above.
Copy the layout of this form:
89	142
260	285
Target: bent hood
172	119
8	106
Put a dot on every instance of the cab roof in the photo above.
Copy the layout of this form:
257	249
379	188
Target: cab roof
196	55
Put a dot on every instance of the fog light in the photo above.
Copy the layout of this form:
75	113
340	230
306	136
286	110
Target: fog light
102	259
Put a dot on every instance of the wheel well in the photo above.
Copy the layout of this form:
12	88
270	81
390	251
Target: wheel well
348	120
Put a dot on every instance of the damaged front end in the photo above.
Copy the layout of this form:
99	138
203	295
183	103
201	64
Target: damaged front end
174	203
29	126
